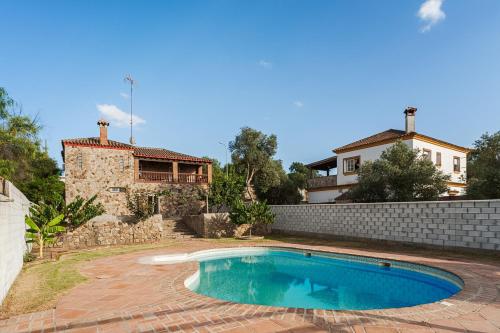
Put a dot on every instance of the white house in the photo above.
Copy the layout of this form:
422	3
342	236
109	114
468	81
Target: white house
341	170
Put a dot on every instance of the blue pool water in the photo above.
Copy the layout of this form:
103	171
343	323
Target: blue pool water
291	279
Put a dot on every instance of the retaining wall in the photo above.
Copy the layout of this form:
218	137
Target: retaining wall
467	224
13	207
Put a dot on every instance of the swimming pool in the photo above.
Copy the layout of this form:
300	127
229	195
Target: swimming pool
315	280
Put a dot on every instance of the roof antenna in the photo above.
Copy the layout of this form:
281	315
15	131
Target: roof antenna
128	78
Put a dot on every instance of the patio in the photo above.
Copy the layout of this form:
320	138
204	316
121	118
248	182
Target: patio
125	296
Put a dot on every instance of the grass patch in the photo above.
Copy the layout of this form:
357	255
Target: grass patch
40	283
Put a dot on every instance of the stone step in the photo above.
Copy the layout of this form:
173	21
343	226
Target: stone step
176	229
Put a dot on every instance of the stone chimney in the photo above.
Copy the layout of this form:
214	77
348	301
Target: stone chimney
103	132
410	119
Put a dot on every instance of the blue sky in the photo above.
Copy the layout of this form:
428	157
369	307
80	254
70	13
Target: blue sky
318	74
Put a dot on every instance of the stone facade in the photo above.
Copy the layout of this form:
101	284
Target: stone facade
217	225
465	224
97	171
13	207
108	169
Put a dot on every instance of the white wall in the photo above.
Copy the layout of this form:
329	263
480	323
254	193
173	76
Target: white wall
366	154
323	196
447	155
13	207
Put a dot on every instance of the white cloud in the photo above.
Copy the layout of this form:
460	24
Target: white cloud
117	117
298	104
265	64
430	13
124	95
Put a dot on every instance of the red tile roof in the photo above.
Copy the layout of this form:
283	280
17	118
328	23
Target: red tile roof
95	142
161	153
391	134
144	152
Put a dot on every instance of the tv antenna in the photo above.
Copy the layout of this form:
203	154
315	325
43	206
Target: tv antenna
128	78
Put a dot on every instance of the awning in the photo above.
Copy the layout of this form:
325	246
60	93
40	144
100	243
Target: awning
326	164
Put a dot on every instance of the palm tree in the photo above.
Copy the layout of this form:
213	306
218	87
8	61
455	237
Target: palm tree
44	225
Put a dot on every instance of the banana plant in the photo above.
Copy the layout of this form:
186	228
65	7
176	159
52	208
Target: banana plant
44	224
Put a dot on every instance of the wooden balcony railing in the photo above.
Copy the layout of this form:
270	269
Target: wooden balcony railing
192	178
168	177
156	176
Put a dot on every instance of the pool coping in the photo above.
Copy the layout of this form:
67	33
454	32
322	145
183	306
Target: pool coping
476	293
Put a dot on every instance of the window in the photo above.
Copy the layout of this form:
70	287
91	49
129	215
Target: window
456	164
79	161
438	159
122	164
117	189
427	154
351	165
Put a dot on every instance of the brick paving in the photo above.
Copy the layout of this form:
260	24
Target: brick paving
123	295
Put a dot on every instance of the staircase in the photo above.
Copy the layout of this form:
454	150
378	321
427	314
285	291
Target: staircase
176	229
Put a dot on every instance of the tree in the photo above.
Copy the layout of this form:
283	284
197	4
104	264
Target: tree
252	153
400	174
299	174
287	192
44	224
225	189
22	160
483	169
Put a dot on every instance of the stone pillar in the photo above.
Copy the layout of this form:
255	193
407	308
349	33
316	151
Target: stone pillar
199	171
209	172
175	170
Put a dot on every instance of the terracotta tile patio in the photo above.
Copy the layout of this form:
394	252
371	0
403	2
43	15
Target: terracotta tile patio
123	295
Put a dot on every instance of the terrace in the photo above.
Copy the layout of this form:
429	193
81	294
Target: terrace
171	172
321	173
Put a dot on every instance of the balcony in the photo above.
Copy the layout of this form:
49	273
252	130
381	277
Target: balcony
168	177
154	171
322	181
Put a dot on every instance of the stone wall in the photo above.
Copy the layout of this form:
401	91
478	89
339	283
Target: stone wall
217	225
108	230
465	224
13	207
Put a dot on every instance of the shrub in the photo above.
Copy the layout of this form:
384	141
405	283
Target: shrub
80	211
252	213
142	203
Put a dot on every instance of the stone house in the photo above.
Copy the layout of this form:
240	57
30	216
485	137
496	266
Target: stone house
108	168
338	173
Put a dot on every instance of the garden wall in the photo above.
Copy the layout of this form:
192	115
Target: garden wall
13	207
466	224
217	225
107	230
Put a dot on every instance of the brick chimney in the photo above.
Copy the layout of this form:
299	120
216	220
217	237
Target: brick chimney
410	119
103	131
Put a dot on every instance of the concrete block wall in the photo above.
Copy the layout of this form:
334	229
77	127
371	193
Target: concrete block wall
13	207
466	224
